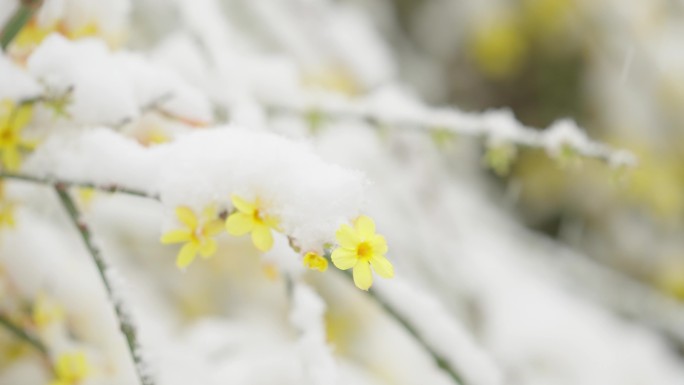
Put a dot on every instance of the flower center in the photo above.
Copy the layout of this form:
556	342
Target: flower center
364	250
258	218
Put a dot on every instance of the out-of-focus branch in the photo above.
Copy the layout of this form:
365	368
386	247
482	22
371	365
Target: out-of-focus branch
14	25
494	126
22	334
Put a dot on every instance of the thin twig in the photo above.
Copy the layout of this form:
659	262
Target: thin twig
22	334
113	188
439	361
125	323
14	25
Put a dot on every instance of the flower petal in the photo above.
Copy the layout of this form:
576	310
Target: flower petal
242	205
187	254
379	244
344	258
239	224
187	216
365	227
208	247
347	237
21	117
262	237
382	266
176	236
209	213
213	227
11	159
362	276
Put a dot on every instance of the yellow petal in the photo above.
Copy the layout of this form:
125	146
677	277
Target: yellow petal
365	227
239	224
187	254
272	222
344	258
315	262
262	237
21	117
176	236
209	213
378	244
187	216
242	205
208	247
11	159
212	228
347	237
362	276
382	266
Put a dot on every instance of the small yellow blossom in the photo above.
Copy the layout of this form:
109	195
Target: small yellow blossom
314	261
31	35
198	237
46	311
360	248
251	217
13	119
6	209
71	368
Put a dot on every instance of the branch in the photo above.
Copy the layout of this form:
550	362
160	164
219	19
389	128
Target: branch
125	324
439	361
14	25
494	126
113	188
22	334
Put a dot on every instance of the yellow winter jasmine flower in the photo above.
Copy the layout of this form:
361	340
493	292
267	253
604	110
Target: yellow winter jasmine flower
251	217
6	210
360	248
71	368
197	236
46	311
13	118
314	261
31	35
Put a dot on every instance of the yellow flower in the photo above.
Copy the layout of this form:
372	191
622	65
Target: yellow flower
13	118
315	262
360	248
6	209
46	311
197	236
31	35
251	217
71	368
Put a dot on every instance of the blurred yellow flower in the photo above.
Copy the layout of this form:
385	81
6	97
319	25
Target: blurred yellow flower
314	261
360	248
46	311
13	119
499	47
71	368
197	236
251	217
6	209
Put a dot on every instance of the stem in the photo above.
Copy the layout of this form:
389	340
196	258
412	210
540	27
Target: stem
440	361
125	324
66	183
22	334
14	25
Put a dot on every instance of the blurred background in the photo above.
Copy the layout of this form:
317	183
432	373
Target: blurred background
616	67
